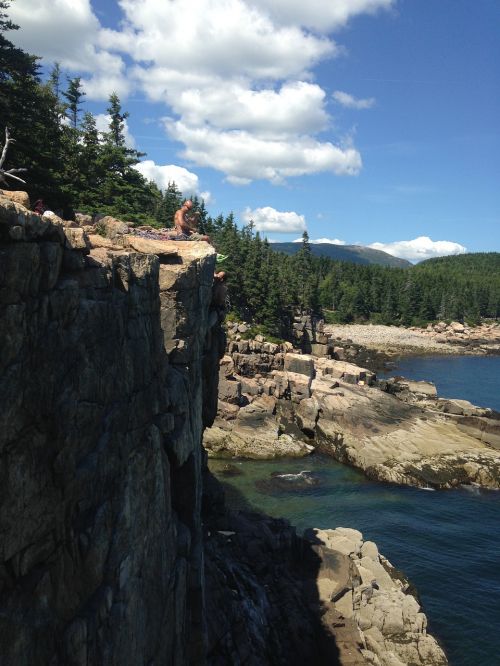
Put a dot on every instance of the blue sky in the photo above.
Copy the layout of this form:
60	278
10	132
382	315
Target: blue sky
365	121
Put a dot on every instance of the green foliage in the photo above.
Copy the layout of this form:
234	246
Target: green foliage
76	167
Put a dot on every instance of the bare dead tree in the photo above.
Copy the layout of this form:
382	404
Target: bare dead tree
4	174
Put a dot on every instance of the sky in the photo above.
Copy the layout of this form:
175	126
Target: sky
372	122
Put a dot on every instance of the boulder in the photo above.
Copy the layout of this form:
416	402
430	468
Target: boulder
307	414
112	228
299	386
457	327
18	196
250	386
339	353
226	367
83	219
226	412
77	239
300	364
230	391
318	349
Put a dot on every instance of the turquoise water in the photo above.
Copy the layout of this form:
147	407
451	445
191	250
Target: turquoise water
447	542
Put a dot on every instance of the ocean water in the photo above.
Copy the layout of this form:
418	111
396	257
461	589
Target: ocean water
474	378
446	542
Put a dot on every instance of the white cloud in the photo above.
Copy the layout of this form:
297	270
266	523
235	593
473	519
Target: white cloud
420	248
236	76
270	219
332	241
350	102
227	38
163	174
102	123
67	31
320	15
296	108
244	157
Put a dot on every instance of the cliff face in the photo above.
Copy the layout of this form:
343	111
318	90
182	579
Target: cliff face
102	358
116	547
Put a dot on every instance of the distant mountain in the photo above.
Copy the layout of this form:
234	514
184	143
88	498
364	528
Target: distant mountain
356	254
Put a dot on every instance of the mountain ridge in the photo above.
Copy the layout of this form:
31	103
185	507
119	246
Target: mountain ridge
357	254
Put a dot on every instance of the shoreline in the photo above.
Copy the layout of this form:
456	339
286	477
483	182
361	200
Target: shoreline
440	339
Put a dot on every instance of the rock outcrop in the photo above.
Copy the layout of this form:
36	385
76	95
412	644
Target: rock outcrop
116	546
397	431
374	599
104	352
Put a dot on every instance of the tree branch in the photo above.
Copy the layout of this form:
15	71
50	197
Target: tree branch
10	172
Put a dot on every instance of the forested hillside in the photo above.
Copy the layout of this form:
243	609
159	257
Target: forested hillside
357	254
265	285
73	166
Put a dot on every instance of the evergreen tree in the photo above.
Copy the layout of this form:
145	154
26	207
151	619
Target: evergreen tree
74	96
172	201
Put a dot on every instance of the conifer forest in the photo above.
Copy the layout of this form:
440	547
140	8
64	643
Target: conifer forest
74	167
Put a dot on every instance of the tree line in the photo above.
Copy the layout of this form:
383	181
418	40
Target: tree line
268	287
75	167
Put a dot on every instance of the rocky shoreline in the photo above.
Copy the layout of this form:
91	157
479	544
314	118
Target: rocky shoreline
439	338
374	600
275	402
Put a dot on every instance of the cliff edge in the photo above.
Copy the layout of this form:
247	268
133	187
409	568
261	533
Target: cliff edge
103	351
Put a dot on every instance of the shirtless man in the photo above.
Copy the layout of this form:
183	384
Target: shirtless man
183	223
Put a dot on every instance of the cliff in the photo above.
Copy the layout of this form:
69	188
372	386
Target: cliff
103	352
116	546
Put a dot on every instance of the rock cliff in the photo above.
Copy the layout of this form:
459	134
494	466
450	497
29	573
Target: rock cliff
116	547
106	355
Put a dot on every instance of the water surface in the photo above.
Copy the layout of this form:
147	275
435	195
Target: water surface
447	542
474	378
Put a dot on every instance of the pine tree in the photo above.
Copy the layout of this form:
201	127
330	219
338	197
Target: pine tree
172	201
74	96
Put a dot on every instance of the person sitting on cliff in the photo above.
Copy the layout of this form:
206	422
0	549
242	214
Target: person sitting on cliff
39	207
185	224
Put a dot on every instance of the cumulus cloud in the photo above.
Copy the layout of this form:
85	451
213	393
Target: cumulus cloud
350	102
230	38
319	15
295	108
245	157
163	174
67	31
102	121
236	76
270	219
420	248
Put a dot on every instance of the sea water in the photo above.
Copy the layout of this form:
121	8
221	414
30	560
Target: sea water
474	378
446	542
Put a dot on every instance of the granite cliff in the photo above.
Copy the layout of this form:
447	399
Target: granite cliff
116	547
106	359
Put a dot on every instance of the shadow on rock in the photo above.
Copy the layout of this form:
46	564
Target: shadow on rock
262	601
